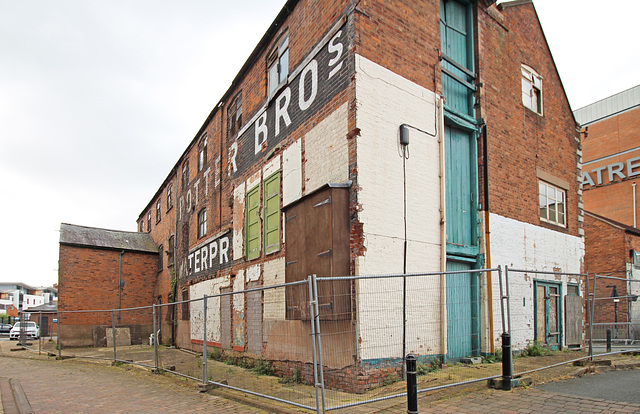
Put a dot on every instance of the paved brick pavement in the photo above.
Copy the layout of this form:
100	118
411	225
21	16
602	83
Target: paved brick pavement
76	386
80	387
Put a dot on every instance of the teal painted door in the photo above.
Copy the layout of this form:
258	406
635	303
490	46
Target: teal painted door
462	311
548	318
461	190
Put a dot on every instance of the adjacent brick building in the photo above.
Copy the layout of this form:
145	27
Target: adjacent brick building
373	138
101	270
611	154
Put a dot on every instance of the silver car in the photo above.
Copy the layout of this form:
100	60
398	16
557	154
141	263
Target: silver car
31	330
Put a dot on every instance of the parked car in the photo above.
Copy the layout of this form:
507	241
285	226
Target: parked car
5	328
31	330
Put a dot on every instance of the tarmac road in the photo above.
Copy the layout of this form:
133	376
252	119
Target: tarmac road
614	385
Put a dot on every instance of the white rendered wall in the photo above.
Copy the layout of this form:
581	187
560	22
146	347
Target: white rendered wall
197	291
524	246
326	151
384	102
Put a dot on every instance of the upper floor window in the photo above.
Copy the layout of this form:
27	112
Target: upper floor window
160	258
552	204
234	115
531	89
170	252
141	226
149	221
278	65
185	175
158	211
202	223
170	197
202	152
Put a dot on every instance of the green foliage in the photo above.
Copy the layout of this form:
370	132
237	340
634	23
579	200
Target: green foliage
432	365
536	350
216	355
296	378
492	358
262	367
390	378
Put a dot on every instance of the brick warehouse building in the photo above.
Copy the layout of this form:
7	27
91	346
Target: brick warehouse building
102	270
611	173
348	120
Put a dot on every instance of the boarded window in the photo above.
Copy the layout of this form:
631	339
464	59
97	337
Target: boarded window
253	224
317	234
185	305
272	214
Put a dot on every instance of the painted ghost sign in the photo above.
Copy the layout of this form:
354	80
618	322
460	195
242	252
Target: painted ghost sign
321	78
211	256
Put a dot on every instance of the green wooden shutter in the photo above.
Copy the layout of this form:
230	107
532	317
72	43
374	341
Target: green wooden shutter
272	213
253	224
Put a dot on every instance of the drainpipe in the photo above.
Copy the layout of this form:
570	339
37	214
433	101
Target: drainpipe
120	284
487	236
443	232
634	205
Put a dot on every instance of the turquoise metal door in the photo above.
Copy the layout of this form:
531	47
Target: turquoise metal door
462	311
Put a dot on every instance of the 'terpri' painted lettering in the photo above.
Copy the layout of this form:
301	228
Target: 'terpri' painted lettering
210	257
323	77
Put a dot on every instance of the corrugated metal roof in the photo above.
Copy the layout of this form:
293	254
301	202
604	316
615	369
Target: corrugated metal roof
110	239
606	107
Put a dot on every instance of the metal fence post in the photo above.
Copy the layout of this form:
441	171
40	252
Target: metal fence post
40	325
155	339
313	345
204	341
316	320
593	305
113	333
59	337
590	319
412	385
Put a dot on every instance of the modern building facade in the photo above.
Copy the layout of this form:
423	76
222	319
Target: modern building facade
611	173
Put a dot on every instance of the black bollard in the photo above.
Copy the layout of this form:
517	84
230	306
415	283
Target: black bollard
412	385
507	362
608	340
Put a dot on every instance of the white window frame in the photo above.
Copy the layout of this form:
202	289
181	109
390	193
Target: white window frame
531	89
548	195
278	66
202	223
202	152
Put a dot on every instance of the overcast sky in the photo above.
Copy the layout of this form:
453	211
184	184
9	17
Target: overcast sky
98	99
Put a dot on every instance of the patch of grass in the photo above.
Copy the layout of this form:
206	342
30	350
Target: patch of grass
262	367
492	358
431	365
296	378
535	350
216	355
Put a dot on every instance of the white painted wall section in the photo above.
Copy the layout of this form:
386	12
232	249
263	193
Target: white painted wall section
274	306
292	172
238	222
384	102
326	151
525	246
197	291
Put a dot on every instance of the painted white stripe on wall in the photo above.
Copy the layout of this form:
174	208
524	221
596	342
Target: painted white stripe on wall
292	173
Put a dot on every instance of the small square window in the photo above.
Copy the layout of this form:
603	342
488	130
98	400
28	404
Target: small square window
234	115
202	152
531	89
202	223
552	202
278	65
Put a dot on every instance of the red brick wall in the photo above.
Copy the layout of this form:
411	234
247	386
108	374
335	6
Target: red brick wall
613	199
520	142
607	254
88	279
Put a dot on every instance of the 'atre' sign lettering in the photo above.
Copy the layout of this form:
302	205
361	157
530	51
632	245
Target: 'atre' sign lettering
628	169
323	76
